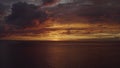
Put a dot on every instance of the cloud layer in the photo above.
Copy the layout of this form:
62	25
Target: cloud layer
49	2
26	15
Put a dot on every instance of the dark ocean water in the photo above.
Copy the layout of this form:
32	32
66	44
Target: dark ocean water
41	54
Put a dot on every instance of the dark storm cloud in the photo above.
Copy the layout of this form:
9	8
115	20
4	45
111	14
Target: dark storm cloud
7	1
12	1
3	10
25	15
49	2
100	13
45	2
101	2
102	10
3	13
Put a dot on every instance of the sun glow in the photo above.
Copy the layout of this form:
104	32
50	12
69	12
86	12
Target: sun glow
62	32
56	38
69	25
64	37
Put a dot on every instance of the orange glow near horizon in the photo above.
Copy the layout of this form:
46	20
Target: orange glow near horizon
65	37
55	31
77	25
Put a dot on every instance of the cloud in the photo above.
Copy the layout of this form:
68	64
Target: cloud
3	10
13	1
26	15
101	2
49	2
89	13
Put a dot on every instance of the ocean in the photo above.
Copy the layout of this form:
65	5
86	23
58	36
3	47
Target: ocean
59	54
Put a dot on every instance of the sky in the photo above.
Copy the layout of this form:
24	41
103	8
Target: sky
33	18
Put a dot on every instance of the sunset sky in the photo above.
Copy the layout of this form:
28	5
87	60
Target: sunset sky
59	19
